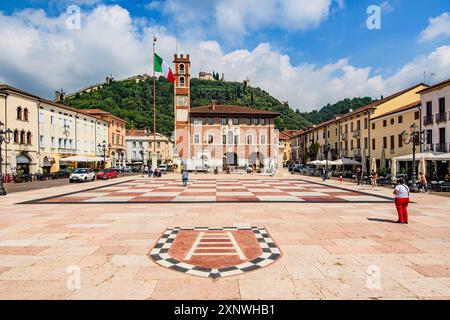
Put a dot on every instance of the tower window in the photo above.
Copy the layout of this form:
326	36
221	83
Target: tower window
181	81
19	113
181	68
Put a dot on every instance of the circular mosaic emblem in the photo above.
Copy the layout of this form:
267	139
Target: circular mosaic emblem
215	252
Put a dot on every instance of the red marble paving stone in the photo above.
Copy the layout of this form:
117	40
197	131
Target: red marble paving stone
316	242
396	246
124	194
344	193
433	271
112	250
197	194
237	198
281	194
335	249
185	238
68	199
132	236
206	245
26	251
153	199
101	190
168	190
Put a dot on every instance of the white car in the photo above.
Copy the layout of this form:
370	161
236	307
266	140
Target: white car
82	175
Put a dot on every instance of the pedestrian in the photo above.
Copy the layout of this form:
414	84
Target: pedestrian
423	182
358	176
374	178
341	179
324	174
150	173
401	193
185	178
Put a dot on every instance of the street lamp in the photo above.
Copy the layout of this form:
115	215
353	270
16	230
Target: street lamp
103	149
326	149
5	136
142	153
414	137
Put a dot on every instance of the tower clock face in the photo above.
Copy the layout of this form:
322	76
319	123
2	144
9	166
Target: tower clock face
182	100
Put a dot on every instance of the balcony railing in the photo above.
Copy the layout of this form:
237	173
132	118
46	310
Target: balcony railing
356	152
344	135
66	150
441	147
344	153
441	117
356	134
427	120
428	147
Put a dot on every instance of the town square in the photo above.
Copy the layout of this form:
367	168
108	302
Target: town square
148	164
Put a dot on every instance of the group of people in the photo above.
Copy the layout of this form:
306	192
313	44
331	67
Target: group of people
145	170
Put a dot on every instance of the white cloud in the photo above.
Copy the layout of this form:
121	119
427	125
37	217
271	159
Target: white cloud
40	54
437	27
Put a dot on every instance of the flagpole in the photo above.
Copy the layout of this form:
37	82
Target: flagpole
154	107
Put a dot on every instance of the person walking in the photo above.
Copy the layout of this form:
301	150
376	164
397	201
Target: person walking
401	193
374	178
185	178
358	176
423	182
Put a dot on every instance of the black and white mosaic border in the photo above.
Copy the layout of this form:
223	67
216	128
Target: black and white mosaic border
160	255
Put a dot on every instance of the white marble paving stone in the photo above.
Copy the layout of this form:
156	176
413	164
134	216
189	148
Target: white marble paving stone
111	199
234	194
308	194
278	198
360	198
160	194
87	194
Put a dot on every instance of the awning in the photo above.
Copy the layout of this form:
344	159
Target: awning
81	159
429	155
21	159
344	162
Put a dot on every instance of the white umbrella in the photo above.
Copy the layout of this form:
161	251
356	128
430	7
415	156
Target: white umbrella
374	165
317	162
345	162
12	160
383	159
81	159
394	169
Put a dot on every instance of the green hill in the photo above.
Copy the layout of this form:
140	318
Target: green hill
134	102
330	110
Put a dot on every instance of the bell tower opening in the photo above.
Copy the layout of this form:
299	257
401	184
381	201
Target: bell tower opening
182	108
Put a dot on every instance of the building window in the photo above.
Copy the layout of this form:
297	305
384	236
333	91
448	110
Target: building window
224	121
373	126
373	144
365	142
249	121
384	123
19	113
158	144
235	121
392	142
400	141
365	123
196	139
41	141
249	139
203	121
224	139
262	121
25	114
22	137
181	81
181	67
262	139
400	119
392	121
416	115
196	121
16	136
236	139
134	144
210	121
384	142
210	139
255	121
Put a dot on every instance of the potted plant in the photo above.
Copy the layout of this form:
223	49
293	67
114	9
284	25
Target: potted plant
18	176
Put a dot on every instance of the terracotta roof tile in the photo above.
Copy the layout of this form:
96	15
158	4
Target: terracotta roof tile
231	109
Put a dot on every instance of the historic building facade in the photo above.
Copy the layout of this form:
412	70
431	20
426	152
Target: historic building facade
116	132
220	135
140	147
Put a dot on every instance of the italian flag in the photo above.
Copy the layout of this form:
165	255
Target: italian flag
162	66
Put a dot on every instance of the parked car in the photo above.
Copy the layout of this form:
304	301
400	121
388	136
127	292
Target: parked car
82	175
117	168
126	169
107	174
165	168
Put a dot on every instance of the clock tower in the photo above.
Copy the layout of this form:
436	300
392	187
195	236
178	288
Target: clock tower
182	107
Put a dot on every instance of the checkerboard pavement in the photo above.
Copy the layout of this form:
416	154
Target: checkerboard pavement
208	190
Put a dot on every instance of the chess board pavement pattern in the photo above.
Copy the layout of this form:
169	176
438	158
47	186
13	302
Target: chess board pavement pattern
327	249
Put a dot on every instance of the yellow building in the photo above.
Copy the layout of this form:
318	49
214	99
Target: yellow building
285	138
117	135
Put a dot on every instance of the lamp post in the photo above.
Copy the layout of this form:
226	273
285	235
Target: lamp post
326	149
5	136
103	149
414	137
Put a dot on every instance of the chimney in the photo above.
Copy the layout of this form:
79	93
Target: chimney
60	95
213	105
57	96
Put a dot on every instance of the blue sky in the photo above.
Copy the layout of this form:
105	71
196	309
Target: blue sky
312	45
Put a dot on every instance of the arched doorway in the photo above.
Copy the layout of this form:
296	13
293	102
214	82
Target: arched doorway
23	163
230	158
256	159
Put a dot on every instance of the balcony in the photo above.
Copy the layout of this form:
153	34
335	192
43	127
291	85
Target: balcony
441	147
66	150
344	153
441	117
356	152
428	147
344	136
427	120
356	134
